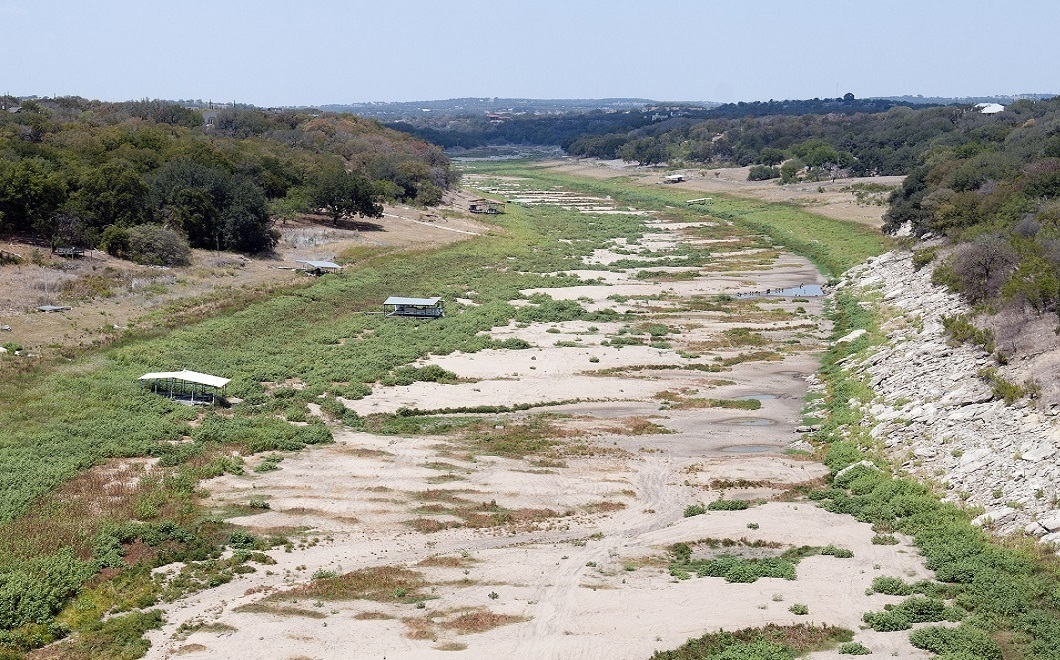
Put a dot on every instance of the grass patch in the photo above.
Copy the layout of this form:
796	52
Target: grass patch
770	642
386	584
735	568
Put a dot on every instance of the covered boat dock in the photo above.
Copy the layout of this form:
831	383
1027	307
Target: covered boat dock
191	387
430	308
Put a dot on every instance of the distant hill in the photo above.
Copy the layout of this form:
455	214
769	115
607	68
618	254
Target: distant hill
477	106
1003	99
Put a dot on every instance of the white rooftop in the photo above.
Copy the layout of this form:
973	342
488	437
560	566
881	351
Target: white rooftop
319	264
990	108
398	300
189	376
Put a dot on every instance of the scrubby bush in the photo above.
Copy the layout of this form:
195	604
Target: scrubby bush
891	586
763	173
728	505
960	642
694	510
854	648
153	245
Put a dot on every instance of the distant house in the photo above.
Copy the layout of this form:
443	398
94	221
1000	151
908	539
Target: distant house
319	268
989	108
15	109
430	308
674	178
484	205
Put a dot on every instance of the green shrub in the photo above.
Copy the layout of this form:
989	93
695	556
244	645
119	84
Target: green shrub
923	257
853	648
891	586
156	245
887	621
960	642
763	173
694	510
839	553
728	505
799	609
243	540
961	330
37	588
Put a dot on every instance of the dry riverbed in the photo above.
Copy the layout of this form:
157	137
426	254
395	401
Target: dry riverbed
547	533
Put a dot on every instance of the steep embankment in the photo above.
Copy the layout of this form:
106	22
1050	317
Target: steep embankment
938	417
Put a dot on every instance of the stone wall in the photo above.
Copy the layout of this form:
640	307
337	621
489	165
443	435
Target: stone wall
937	419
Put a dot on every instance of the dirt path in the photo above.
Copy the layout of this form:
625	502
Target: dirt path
563	551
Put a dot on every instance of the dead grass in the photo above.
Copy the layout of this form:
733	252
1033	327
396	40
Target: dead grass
447	561
637	425
463	621
278	609
428	526
378	583
481	621
190	648
604	507
309	511
372	616
362	452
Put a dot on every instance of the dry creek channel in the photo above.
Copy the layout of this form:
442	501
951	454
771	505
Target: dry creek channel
579	567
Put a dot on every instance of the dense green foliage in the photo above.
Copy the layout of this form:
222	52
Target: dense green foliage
71	169
744	133
993	188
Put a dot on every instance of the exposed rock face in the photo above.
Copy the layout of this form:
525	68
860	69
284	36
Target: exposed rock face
938	420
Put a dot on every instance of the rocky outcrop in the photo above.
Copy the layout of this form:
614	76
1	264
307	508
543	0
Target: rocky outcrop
937	419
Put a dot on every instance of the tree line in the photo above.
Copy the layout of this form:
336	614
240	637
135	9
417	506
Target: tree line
993	189
87	173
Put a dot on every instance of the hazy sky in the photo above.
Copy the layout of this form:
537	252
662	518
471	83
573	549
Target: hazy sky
269	52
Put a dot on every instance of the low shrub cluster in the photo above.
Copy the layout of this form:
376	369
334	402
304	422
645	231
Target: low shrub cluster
770	642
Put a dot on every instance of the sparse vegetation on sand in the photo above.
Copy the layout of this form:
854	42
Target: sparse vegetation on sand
768	642
1003	593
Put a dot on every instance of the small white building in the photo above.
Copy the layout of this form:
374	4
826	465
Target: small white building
673	178
989	108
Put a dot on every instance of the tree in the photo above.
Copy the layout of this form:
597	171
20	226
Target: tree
113	194
770	157
342	194
246	225
983	265
30	192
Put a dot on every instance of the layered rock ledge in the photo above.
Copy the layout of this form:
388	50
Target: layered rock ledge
939	420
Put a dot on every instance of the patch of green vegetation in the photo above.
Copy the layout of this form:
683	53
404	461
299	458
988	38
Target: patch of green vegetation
770	642
1000	387
734	568
832	245
853	648
728	505
961	330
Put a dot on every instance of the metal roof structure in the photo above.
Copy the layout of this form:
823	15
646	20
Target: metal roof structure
52	308
187	376
398	300
319	264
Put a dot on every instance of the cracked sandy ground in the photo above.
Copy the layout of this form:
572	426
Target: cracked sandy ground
576	565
